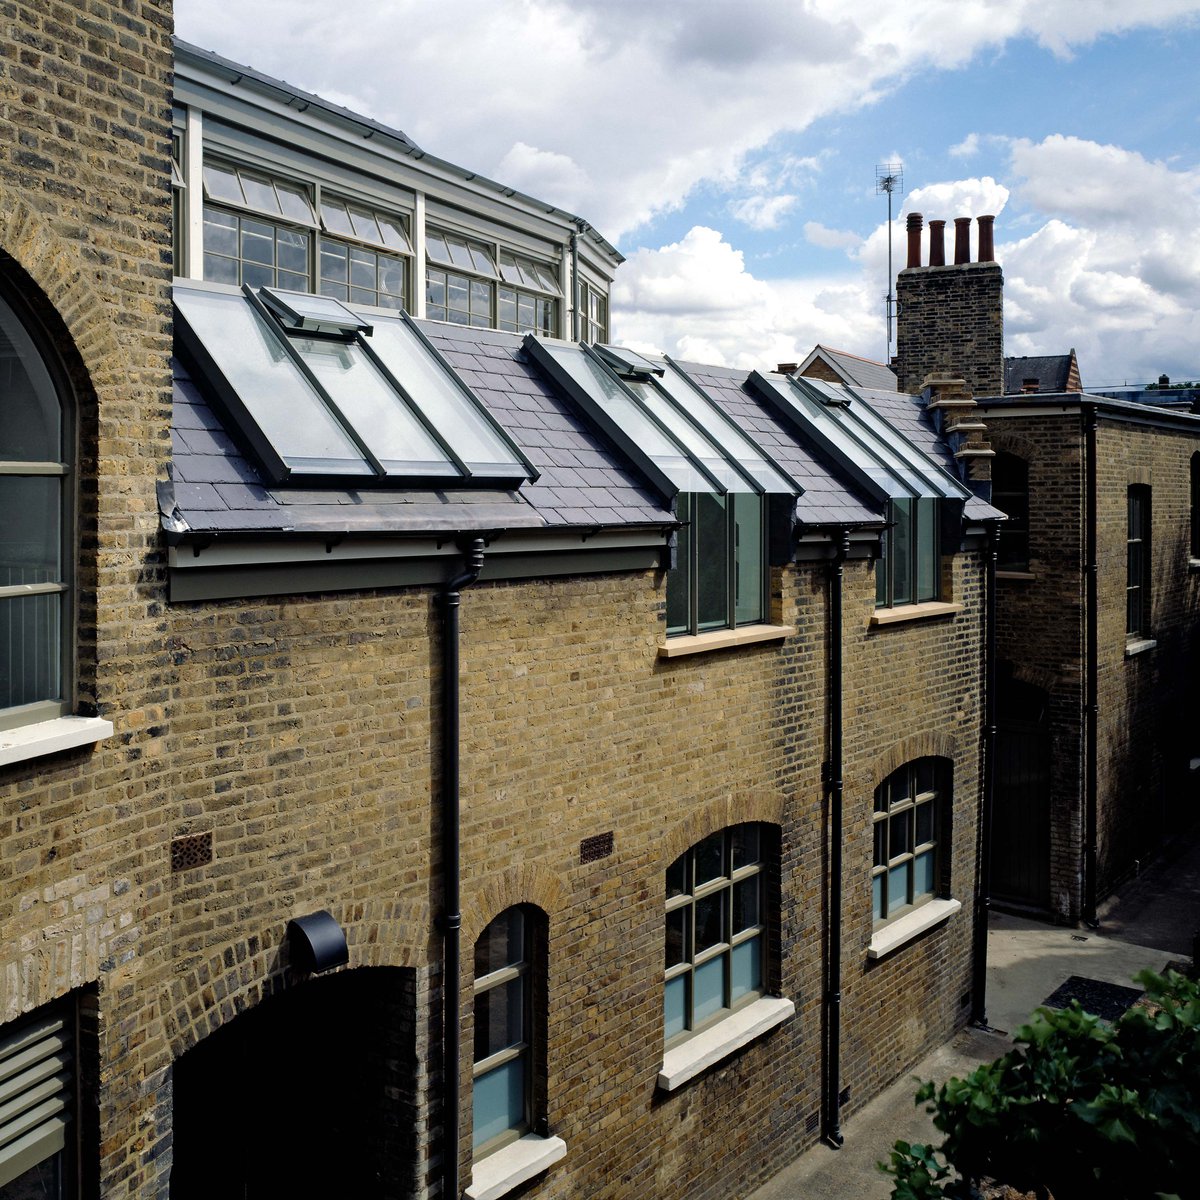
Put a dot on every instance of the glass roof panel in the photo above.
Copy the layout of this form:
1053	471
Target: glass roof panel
688	436
269	385
464	427
371	406
598	389
336	218
630	360
314	314
738	445
221	183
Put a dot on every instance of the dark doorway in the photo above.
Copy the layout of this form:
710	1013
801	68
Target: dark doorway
311	1093
1021	820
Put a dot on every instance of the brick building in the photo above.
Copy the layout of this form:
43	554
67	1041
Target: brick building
1098	593
363	668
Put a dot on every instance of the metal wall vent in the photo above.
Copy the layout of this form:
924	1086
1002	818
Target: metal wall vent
598	846
844	1096
812	1122
194	850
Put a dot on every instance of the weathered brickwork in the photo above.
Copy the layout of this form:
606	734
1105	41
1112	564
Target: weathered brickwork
950	321
85	247
1143	742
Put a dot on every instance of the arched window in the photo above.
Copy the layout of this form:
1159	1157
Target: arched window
910	838
1010	494
36	440
504	1072
716	930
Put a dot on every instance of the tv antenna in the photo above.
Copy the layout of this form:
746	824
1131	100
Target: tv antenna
889	178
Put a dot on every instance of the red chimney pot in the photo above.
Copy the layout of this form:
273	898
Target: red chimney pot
937	243
962	240
987	250
915	224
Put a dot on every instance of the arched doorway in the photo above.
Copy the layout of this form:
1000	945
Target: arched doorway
311	1093
1021	816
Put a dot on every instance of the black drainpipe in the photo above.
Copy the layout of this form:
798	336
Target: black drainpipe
836	784
983	900
451	921
1090	650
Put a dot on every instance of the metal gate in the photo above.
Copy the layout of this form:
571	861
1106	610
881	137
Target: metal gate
1021	815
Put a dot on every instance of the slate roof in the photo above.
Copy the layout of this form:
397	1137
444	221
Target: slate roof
584	480
1052	372
853	369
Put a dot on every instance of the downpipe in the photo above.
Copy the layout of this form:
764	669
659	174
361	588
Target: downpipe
451	919
1091	651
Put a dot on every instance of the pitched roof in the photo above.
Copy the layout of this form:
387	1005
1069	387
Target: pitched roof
851	368
1041	373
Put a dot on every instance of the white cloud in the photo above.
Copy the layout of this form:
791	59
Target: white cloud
762	212
831	239
545	173
967	148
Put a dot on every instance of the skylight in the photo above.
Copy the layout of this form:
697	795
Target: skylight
319	390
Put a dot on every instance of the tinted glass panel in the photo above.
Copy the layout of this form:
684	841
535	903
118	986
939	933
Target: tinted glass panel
679	577
711	531
499	1018
927	550
499	1101
709	986
502	943
710	921
900	550
924	883
898	886
746	968
748	581
745	904
678	950
675	1006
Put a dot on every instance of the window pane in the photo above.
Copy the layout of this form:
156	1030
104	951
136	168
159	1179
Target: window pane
708	982
292	251
898	886
675	1006
877	908
435	247
926	775
259	193
362	269
499	1018
30	542
899	833
747	557
746	968
335	216
30	648
501	944
391	280
334	267
460	255
365	225
258	242
710	921
294	203
924	823
482	259
710	858
745	904
881	569
744	843
927	550
677	877
393	233
677	939
220	270
713	561
923	883
31	428
222	183
901	551
220	232
880	857
499	1101
679	576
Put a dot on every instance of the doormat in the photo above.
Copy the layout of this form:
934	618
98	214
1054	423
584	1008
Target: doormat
1105	1000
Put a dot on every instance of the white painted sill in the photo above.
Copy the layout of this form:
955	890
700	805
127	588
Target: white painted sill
913	612
723	639
510	1166
719	1041
1139	646
48	737
904	929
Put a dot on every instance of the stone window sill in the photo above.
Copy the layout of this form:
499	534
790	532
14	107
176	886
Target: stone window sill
1026	576
48	737
1139	646
719	1041
913	612
1193	565
499	1172
723	639
904	929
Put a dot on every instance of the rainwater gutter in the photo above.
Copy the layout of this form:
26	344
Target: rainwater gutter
835	783
451	920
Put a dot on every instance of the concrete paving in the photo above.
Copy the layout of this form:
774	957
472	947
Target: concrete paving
1151	921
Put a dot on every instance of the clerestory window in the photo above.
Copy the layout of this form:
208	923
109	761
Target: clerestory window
909	568
1137	546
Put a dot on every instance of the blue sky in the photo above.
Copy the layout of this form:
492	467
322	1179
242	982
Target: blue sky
730	149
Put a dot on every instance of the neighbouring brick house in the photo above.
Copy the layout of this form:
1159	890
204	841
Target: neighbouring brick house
646	697
1098	595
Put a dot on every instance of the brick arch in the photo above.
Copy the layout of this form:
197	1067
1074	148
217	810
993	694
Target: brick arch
55	267
762	806
929	744
1004	440
529	883
247	971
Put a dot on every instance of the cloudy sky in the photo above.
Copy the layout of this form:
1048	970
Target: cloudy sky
729	149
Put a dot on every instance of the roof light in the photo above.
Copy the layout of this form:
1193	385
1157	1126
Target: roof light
304	313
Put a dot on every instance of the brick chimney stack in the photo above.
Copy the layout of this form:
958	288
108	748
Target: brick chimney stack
950	319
